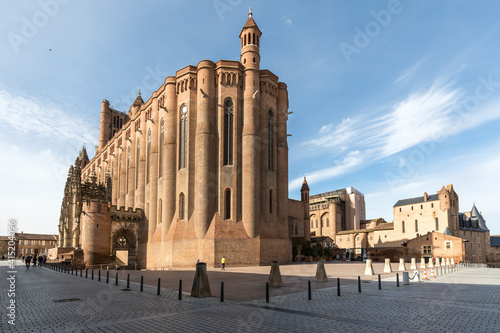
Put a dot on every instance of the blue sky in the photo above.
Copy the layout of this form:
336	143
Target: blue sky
392	98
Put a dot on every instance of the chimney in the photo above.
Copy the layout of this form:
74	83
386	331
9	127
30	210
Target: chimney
425	196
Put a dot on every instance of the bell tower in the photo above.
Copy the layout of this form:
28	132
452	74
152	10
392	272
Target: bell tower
250	43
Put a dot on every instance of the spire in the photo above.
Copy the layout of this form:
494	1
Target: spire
304	187
250	12
138	100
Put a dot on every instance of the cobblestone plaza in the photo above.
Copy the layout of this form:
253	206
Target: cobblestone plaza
51	301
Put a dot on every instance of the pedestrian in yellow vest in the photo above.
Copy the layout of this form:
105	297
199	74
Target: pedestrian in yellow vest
223	261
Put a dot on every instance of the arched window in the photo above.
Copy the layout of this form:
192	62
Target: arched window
228	131
128	165
183	137
253	39
148	151
137	164
270	201
270	141
227	207
159	212
182	207
245	40
160	162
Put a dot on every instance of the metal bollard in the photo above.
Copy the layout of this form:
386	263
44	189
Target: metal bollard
267	292
99	276
309	296
222	291
180	289
379	283
158	291
142	282
81	272
86	273
397	279
116	279
359	284
338	286
107	276
128	281
92	274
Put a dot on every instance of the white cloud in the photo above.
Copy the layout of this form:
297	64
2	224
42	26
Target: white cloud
286	21
30	116
407	75
427	115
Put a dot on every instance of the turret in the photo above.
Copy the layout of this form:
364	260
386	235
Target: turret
304	191
105	128
250	43
136	106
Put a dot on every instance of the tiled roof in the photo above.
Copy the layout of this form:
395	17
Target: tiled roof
36	236
495	241
356	231
412	201
385	226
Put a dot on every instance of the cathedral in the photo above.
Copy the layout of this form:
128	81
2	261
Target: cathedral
198	171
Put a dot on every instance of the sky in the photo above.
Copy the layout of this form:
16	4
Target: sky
393	98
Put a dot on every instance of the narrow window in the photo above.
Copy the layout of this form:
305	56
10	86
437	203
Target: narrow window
400	210
228	204
119	174
270	141
270	201
147	156
228	131
159	212
137	164
181	206
421	206
183	138
437	224
416	225
160	162
253	39
403	226
411	207
327	222
432	205
128	165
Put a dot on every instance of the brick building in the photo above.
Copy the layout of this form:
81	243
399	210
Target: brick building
419	216
29	244
198	171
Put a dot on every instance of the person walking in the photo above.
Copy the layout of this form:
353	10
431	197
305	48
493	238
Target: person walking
27	261
34	261
223	261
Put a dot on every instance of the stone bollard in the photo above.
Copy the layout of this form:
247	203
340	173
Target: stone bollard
406	278
452	261
275	276
369	267
443	262
431	263
201	286
387	266
402	266
422	263
321	272
413	264
447	261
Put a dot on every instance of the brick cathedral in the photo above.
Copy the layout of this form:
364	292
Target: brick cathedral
198	171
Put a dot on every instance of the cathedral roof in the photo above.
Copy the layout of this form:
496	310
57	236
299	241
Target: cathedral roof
83	154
